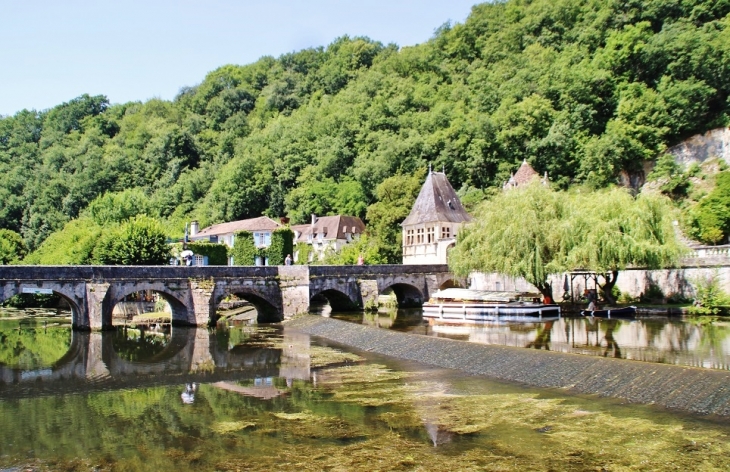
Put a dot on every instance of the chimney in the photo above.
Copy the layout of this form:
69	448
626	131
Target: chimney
284	220
314	219
193	228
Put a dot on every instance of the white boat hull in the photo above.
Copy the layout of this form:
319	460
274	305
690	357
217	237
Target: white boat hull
475	313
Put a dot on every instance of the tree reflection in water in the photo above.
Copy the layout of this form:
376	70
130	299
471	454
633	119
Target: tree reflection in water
140	344
542	340
693	342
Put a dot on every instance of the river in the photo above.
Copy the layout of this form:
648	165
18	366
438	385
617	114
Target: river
267	398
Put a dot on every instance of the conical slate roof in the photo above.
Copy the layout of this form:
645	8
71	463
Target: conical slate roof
437	201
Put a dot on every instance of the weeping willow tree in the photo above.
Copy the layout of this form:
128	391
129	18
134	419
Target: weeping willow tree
519	233
612	230
534	232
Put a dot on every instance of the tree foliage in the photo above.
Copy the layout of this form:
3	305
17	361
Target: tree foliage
12	247
138	241
534	232
709	220
585	90
519	233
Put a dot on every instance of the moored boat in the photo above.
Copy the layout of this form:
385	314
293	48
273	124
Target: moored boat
612	312
458	305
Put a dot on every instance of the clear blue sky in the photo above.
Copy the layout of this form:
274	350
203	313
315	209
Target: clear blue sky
54	50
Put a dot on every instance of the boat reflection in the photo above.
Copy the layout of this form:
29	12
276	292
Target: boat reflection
651	339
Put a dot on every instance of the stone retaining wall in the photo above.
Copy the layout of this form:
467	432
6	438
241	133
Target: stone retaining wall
693	390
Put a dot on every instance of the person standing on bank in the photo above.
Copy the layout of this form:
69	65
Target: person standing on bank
591	296
287	261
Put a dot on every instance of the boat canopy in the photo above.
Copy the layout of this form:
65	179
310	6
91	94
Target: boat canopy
468	295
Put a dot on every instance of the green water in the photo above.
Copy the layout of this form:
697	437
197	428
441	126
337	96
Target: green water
266	398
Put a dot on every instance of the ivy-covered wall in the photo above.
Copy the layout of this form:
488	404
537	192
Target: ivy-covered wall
282	243
304	251
217	253
244	250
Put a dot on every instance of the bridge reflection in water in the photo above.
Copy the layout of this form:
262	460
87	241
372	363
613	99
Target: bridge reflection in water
191	355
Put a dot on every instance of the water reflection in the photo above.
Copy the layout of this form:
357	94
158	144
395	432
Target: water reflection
697	343
140	344
266	398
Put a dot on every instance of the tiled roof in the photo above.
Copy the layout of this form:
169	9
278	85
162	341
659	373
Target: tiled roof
262	223
525	174
336	227
437	201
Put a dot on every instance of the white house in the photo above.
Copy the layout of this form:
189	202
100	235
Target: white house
225	233
327	232
430	229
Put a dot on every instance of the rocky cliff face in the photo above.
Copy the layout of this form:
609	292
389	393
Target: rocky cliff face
715	143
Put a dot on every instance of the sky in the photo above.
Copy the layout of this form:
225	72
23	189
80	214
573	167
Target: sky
52	51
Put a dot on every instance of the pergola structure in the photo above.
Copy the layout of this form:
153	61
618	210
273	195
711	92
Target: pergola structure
568	290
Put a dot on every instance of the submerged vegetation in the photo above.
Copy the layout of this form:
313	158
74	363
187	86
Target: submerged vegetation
366	417
587	91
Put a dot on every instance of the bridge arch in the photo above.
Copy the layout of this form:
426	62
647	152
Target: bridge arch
450	283
338	300
67	293
268	311
178	305
407	295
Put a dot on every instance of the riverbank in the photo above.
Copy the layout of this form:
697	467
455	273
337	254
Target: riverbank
693	390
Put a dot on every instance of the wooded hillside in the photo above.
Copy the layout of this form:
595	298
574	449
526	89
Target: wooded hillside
582	89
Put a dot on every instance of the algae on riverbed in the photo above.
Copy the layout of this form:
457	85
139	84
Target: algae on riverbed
348	413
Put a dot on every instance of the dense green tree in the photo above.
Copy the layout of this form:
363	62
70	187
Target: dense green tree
396	196
117	207
611	230
72	245
535	232
520	233
709	219
588	91
364	246
139	241
12	247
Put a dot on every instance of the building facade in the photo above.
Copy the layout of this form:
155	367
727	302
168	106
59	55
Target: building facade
430	229
327	233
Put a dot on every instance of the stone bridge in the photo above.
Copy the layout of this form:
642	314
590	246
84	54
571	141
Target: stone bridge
194	293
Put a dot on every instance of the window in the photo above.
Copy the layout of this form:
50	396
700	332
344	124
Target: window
430	235
409	237
445	232
262	239
419	236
